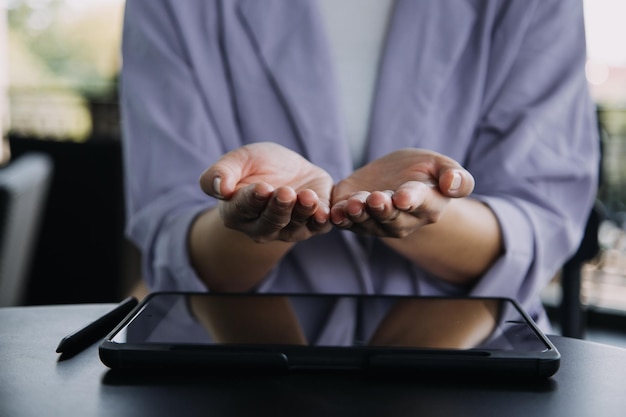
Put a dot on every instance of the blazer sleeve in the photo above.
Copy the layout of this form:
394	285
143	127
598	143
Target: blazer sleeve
536	150
169	137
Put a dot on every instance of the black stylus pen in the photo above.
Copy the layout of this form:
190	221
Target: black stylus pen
88	335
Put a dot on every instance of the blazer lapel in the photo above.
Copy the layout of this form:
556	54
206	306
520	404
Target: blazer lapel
293	48
424	43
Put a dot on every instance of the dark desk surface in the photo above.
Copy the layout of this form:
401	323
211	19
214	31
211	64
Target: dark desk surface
591	382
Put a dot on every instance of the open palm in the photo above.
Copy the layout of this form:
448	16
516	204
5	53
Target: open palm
270	192
398	193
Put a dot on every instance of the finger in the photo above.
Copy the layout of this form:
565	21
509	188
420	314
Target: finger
321	215
213	183
305	207
219	182
220	179
355	207
421	200
411	195
381	208
309	206
247	204
455	182
277	214
338	215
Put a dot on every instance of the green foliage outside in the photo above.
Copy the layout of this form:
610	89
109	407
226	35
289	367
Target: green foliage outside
64	52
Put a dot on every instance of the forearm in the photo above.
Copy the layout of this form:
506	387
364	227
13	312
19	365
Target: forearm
459	247
228	260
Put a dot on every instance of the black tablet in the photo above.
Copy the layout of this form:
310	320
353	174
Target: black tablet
299	332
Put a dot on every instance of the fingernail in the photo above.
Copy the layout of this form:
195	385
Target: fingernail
323	220
217	187
281	202
344	223
456	182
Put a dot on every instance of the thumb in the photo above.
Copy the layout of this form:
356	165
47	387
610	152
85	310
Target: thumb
221	178
456	182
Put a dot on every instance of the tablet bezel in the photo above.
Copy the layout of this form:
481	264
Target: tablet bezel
290	358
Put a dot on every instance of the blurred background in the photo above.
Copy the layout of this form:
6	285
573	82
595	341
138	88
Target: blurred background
59	63
63	60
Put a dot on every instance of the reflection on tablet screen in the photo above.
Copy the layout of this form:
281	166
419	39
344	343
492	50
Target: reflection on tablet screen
333	321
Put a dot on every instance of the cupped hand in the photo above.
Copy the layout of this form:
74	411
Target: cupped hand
270	193
397	194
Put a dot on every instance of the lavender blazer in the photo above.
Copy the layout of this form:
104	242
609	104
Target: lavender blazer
497	85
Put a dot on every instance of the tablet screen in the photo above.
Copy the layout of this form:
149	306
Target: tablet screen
207	332
337	321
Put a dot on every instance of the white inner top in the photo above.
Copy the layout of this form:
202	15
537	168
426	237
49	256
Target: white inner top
356	31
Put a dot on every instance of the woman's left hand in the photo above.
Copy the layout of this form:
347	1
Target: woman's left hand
399	193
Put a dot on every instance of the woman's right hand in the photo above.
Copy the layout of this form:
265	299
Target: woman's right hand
270	193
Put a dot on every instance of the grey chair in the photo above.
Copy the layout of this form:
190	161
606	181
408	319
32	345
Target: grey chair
24	185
